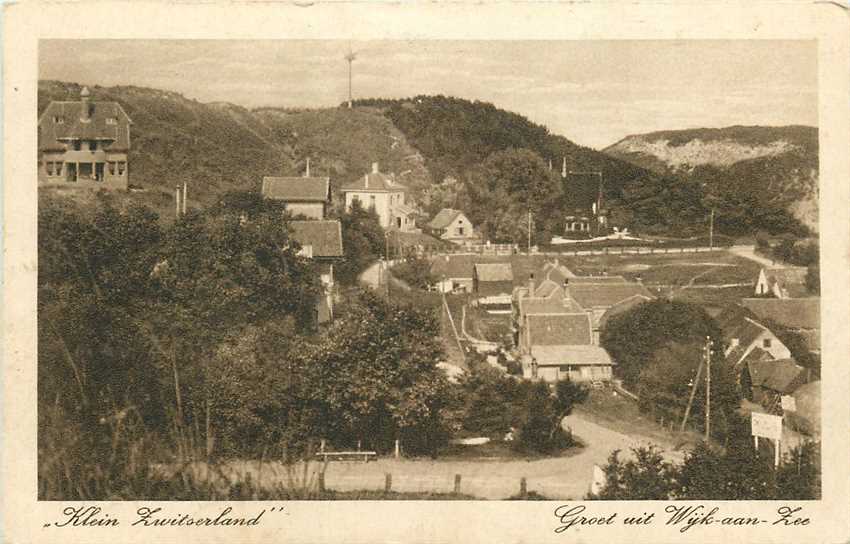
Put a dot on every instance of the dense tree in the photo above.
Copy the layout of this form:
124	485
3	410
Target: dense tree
645	476
415	272
362	242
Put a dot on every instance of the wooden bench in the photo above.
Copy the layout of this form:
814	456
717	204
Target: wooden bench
364	456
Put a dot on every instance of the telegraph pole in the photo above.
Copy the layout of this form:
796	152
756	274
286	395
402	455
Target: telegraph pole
708	344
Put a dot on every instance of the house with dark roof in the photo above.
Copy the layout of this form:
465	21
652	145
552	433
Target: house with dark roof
491	280
766	380
786	282
743	334
800	315
453	226
307	196
554	335
600	296
84	144
321	241
379	191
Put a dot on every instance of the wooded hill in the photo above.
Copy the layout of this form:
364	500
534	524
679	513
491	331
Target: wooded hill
425	140
753	171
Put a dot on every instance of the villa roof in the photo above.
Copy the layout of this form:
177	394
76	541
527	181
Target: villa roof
62	120
374	182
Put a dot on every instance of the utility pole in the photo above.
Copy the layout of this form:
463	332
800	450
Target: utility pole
694	385
708	344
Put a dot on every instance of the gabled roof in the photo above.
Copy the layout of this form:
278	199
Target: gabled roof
553	302
559	329
493	271
793	313
324	236
297	189
604	294
556	272
782	376
375	182
572	355
62	121
444	218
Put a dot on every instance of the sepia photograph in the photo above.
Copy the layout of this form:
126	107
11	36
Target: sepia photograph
409	269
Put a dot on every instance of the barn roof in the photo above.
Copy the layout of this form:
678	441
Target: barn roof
793	313
571	354
296	189
782	376
494	271
559	329
324	236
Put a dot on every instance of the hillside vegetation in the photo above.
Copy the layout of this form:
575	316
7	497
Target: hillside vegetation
761	177
493	164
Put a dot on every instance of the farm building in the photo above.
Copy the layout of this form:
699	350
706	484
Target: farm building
84	144
307	196
453	226
492	280
800	315
742	334
321	241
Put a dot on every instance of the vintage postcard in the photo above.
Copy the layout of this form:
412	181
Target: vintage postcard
368	272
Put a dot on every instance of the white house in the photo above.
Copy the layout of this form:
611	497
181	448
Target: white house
380	192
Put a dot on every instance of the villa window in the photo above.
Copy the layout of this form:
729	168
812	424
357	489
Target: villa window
77	145
58	167
372	201
58	120
93	145
121	166
49	168
111	121
111	168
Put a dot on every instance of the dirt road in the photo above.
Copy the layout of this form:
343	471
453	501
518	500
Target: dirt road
749	252
561	477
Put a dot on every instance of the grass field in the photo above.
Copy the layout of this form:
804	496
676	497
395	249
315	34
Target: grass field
622	414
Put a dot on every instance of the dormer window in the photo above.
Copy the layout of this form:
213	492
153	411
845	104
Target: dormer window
111	121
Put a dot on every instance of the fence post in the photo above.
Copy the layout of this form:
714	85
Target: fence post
388	482
523	488
322	481
457	484
397	448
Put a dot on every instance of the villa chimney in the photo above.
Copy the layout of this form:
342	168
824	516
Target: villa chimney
85	113
531	284
366	180
307	174
374	168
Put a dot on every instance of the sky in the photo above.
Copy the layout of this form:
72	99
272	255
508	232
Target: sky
592	92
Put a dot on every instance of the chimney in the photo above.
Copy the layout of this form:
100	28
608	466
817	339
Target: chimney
566	288
366	179
374	168
84	97
307	173
531	284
